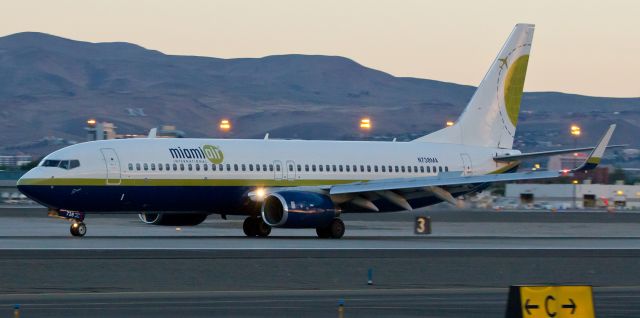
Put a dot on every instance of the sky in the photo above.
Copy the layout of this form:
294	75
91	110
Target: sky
585	47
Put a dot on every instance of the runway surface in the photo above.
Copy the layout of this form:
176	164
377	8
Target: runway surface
127	269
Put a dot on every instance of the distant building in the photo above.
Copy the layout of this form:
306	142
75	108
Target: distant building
15	161
598	175
100	131
586	195
107	130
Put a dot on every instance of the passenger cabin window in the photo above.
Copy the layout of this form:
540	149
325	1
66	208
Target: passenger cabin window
130	166
428	169
160	167
235	167
270	167
145	166
375	168
153	166
257	167
446	168
440	169
190	167
340	168
244	167
313	168
214	167
205	167
175	167
306	168
264	167
348	168
250	167
277	167
228	167
384	168
334	168
368	168
421	169
321	168
361	168
167	166
197	167
328	168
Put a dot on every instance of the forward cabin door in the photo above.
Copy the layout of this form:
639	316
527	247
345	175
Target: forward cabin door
291	170
467	167
277	170
113	166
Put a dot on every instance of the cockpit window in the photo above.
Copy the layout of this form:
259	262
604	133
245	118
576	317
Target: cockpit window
64	164
51	163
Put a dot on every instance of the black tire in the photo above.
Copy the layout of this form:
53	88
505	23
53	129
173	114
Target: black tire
323	232
78	229
250	226
336	228
262	229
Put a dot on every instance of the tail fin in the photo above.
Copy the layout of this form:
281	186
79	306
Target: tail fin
491	116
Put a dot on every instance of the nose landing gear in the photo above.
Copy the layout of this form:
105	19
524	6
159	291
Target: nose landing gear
78	228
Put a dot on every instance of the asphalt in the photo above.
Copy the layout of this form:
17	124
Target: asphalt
127	269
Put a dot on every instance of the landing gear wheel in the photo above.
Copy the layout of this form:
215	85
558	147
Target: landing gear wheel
78	229
323	232
250	226
262	229
336	228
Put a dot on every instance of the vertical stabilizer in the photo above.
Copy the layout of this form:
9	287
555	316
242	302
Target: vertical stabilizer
491	116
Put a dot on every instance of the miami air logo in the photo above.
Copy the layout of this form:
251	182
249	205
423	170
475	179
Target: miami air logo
512	71
213	153
209	152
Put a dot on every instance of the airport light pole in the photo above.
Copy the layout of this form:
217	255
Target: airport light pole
225	126
575	133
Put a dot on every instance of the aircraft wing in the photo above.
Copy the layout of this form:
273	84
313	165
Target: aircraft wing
397	184
438	185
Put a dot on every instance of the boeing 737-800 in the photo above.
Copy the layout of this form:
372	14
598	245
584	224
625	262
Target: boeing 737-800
299	183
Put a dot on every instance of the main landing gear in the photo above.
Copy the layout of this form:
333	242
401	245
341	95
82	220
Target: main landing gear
335	229
255	226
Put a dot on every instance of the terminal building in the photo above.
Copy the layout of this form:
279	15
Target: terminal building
582	195
106	130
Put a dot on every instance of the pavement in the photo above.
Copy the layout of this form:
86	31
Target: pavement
125	268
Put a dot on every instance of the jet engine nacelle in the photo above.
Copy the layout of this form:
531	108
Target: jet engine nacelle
173	219
297	209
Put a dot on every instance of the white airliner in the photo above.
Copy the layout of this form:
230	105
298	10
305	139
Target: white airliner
299	183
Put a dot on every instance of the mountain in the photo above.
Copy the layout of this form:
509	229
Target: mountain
50	85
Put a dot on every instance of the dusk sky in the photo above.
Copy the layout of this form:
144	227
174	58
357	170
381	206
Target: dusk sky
580	46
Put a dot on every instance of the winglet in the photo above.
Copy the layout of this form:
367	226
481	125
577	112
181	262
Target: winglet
152	133
596	154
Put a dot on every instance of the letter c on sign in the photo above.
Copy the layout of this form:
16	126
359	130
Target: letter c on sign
546	306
